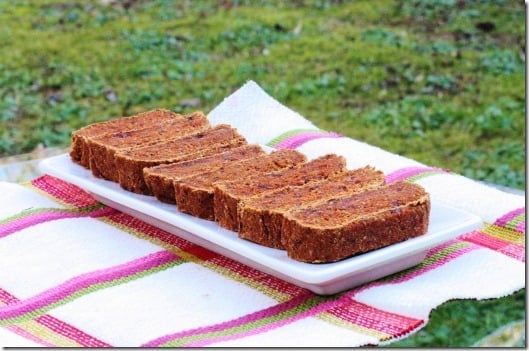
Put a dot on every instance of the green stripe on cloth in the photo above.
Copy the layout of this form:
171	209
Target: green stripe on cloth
83	285
285	135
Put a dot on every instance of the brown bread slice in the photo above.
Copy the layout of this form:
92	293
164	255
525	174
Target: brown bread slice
194	195
342	227
79	152
227	195
103	148
160	179
261	216
131	162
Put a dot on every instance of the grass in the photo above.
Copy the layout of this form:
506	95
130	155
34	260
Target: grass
439	81
461	323
446	77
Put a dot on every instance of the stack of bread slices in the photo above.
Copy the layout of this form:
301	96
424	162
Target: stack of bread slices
317	210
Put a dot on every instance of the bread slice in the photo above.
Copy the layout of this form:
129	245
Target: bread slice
194	195
103	148
131	162
261	216
79	151
228	195
345	226
160	179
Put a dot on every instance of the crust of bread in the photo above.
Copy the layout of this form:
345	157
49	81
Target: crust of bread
346	226
261	216
160	179
195	195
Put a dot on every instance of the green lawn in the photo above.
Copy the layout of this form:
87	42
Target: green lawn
439	81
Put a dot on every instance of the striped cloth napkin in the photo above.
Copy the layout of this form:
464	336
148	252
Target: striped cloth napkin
75	272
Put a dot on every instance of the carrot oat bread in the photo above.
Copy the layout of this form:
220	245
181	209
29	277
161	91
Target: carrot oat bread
341	227
103	148
160	179
317	211
79	153
194	195
261	216
131	162
228	195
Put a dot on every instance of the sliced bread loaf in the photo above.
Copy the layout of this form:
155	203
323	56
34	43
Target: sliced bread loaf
104	147
131	162
261	216
227	195
79	151
194	195
160	179
345	226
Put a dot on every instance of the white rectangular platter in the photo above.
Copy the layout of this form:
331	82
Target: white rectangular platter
324	279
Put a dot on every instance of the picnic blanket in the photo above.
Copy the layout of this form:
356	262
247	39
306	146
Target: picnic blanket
75	272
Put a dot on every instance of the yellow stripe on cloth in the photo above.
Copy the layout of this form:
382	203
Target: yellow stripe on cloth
504	234
355	327
42	332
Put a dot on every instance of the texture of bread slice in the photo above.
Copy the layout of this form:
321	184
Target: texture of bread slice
160	179
227	195
131	162
261	216
103	148
345	226
79	151
194	195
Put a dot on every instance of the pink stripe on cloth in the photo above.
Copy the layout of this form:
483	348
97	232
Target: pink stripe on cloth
55	325
496	244
255	275
430	263
520	227
373	318
297	140
366	316
514	251
259	315
287	313
503	220
409	172
49	215
22	332
68	288
514	220
65	192
319	308
70	332
205	255
7	298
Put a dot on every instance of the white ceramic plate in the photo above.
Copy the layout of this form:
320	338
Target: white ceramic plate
445	223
